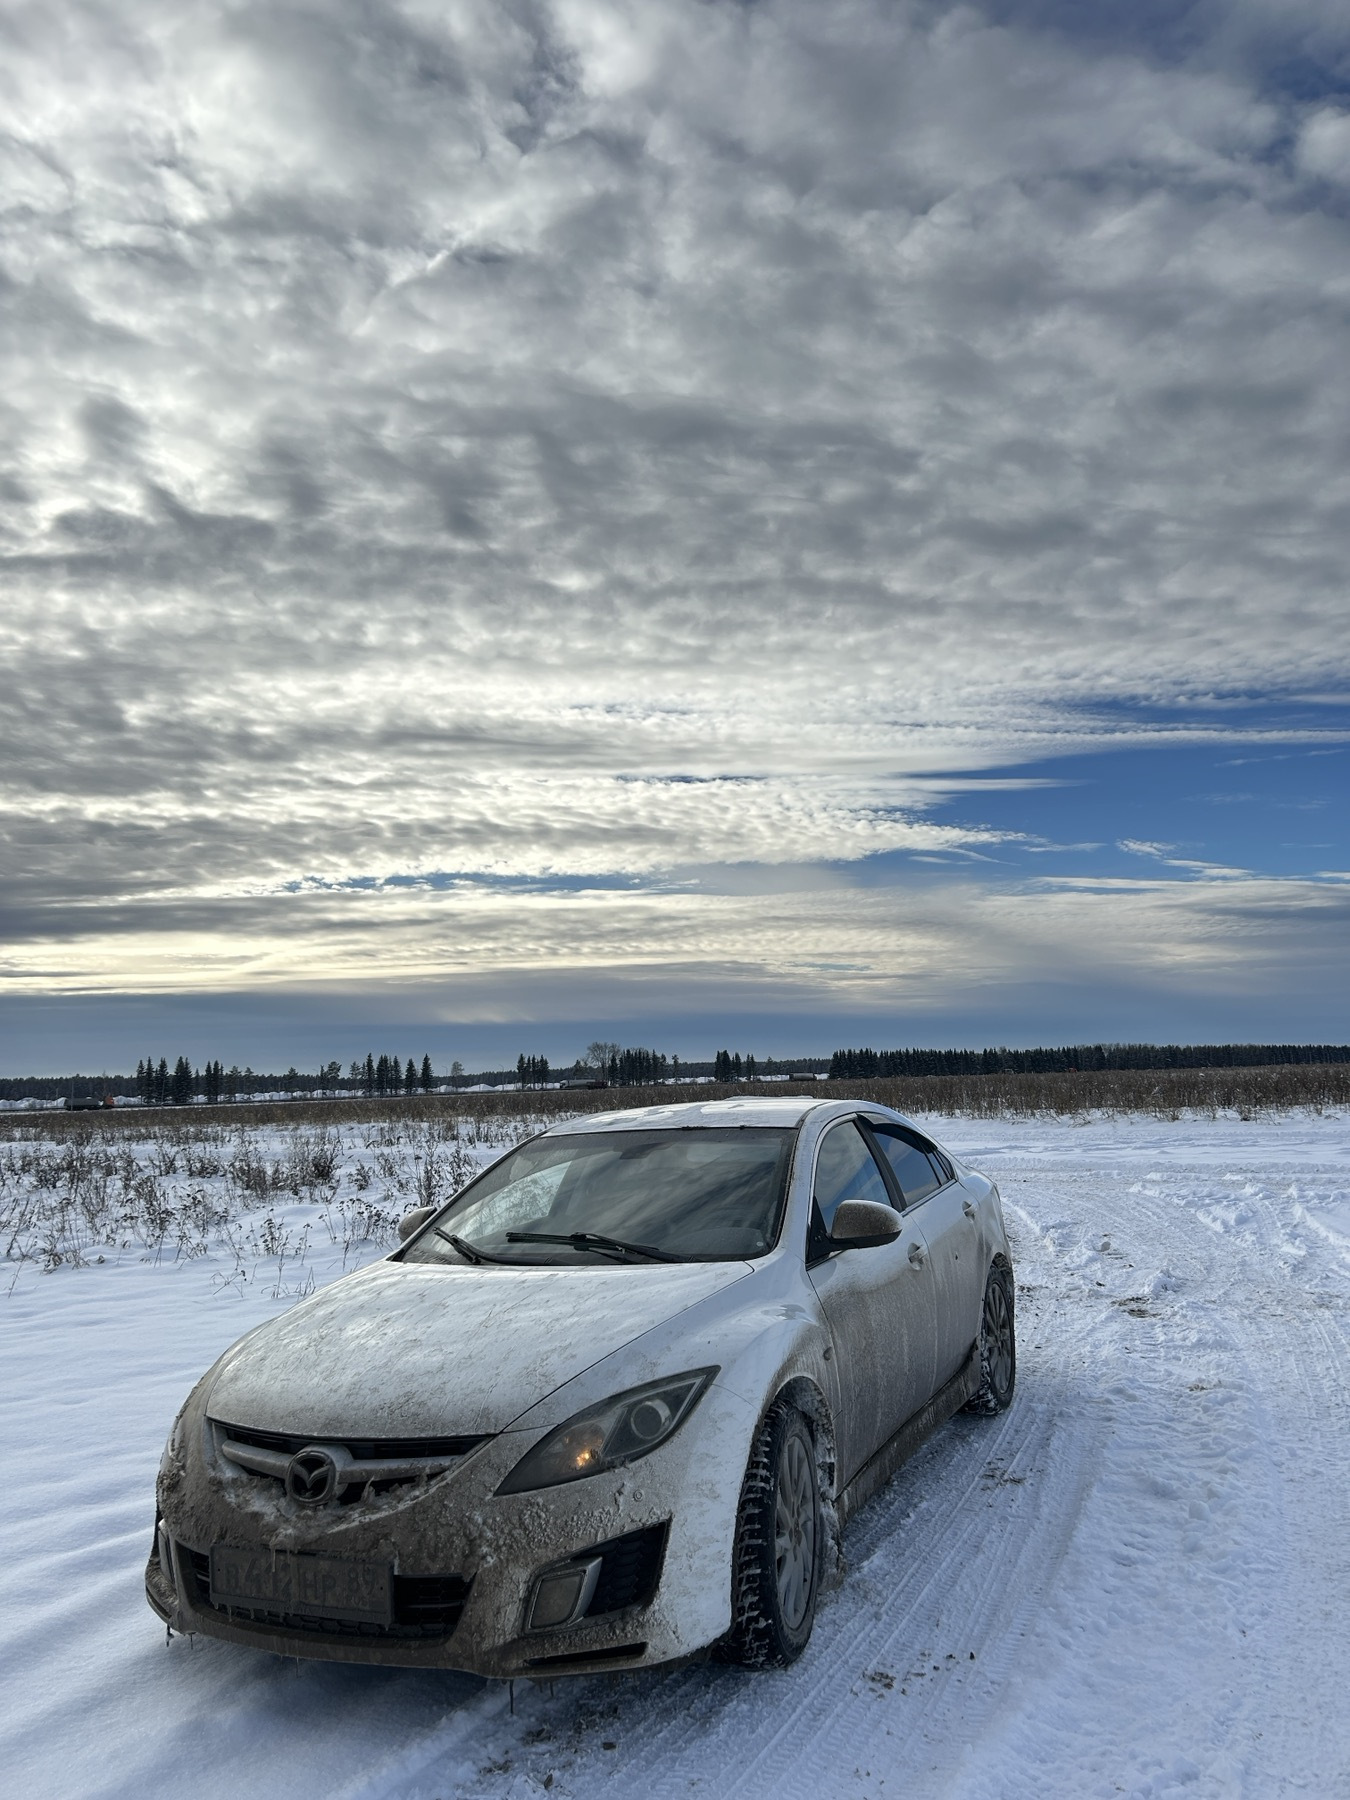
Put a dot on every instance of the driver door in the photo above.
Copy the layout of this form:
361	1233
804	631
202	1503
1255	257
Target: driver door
879	1303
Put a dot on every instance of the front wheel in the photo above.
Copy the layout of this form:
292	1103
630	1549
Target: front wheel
998	1346
776	1562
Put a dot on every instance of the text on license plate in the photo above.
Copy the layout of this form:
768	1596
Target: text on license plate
312	1587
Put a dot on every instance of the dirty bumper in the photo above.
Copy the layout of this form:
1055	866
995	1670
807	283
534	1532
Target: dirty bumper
622	1569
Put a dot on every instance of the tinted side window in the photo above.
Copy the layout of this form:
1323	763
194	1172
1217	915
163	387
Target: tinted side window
846	1170
912	1168
940	1161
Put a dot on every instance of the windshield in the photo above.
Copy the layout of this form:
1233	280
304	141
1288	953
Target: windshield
620	1196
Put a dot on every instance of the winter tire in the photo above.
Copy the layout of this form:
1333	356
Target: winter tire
998	1346
779	1541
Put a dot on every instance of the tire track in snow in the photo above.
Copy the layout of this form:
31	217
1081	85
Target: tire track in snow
1264	1480
993	1558
964	1546
1298	1336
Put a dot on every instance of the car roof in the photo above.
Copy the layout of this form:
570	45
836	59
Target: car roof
750	1109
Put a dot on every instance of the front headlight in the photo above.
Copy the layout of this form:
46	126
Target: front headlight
606	1436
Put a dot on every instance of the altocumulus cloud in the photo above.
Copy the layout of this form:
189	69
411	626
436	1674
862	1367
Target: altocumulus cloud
508	490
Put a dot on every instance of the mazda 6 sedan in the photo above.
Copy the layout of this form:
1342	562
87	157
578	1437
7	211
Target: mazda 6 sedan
608	1407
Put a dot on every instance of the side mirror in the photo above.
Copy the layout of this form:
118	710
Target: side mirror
864	1224
417	1218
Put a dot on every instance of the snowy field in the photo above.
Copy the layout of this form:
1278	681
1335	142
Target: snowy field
1136	1582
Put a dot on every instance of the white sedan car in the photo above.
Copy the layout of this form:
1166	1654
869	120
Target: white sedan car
608	1407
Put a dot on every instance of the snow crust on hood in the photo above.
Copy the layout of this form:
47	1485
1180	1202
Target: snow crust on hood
406	1350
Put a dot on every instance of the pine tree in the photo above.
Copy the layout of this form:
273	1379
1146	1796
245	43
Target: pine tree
427	1077
369	1075
410	1077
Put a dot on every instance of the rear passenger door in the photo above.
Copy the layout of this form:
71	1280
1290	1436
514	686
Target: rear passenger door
879	1303
940	1206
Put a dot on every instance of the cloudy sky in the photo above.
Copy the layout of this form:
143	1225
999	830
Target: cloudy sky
782	524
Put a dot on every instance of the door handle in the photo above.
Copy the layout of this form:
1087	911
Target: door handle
918	1256
969	1208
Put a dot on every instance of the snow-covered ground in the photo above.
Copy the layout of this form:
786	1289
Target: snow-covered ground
1135	1582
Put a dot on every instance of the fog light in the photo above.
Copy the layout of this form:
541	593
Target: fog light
563	1594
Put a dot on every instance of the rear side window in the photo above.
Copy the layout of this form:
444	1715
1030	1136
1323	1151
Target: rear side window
918	1173
846	1170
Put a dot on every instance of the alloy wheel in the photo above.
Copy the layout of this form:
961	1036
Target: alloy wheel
998	1337
795	1529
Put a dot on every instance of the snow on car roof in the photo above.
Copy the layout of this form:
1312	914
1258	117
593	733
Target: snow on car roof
753	1109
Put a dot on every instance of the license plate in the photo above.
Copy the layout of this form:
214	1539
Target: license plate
311	1587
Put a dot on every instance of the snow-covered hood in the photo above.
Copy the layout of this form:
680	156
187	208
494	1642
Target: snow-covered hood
406	1350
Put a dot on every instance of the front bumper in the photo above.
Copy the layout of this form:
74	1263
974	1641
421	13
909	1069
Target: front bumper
466	1560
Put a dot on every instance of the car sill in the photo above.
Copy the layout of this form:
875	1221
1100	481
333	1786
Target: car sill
916	1430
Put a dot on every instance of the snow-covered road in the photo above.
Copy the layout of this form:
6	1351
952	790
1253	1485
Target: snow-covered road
1135	1582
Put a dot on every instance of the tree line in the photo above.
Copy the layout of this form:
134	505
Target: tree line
157	1082
159	1085
855	1065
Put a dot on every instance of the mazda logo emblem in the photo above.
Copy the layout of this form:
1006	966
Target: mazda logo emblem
312	1476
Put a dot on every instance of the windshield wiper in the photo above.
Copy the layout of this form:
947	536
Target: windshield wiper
593	1240
470	1252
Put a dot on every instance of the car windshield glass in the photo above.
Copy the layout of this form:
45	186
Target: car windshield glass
621	1197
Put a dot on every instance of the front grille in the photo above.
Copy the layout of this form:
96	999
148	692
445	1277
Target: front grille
425	1606
363	1449
630	1569
369	1465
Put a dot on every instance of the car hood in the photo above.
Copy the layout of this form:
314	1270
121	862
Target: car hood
407	1350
